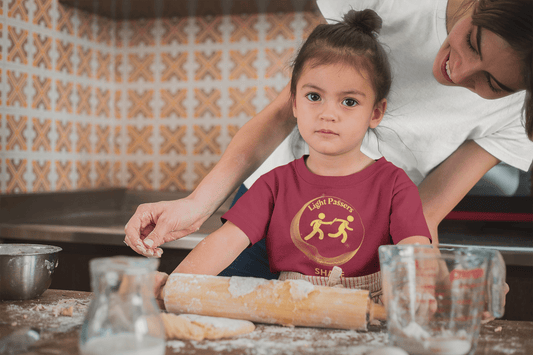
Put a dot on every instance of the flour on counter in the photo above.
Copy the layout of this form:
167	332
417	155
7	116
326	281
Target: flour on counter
278	340
59	316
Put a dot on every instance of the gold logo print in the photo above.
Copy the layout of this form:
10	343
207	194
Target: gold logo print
310	250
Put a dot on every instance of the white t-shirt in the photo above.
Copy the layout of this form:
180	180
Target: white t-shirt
426	121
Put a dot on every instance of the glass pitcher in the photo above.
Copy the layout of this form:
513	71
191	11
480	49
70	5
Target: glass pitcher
123	317
435	298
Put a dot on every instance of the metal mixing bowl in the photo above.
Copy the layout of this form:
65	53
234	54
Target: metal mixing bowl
26	270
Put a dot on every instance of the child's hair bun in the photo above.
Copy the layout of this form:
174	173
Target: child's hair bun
366	21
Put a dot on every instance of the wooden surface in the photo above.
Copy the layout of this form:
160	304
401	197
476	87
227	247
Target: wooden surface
59	334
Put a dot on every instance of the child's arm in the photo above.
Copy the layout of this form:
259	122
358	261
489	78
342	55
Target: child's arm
216	252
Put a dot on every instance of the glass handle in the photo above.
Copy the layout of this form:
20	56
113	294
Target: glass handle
496	285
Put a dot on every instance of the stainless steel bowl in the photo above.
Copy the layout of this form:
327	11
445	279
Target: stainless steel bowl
26	270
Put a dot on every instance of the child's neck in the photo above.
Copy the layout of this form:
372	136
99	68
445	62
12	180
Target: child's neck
326	165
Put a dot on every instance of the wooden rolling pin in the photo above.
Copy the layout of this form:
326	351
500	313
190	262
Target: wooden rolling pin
290	302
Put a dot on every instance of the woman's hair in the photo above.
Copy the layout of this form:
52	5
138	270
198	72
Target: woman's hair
513	21
352	41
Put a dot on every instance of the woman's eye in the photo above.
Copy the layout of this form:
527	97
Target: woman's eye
313	96
349	102
469	42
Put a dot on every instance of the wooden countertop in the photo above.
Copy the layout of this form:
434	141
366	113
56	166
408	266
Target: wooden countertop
60	334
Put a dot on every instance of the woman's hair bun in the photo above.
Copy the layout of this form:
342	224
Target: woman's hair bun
366	21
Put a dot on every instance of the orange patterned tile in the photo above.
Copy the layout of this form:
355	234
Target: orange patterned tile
84	174
64	21
174	66
243	64
209	29
41	173
16	168
104	29
1	42
173	140
15	129
280	25
84	101
85	29
312	19
242	102
139	140
172	176
173	103
42	91
117	135
18	39
140	104
16	93
232	130
174	31
42	13
42	55
139	175
103	134
141	68
84	65
207	65
42	131
64	92
207	103
63	171
142	33
118	64
244	28
201	169
117	111
104	63
279	62
103	99
64	130
64	58
103	174
18	9
83	144
207	140
117	173
271	93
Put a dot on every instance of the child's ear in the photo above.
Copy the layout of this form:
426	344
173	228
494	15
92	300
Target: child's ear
293	104
378	113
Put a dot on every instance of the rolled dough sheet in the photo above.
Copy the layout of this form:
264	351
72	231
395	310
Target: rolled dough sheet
195	327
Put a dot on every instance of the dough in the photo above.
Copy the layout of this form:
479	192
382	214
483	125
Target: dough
195	327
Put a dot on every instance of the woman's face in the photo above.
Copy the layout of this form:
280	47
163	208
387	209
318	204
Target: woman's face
479	60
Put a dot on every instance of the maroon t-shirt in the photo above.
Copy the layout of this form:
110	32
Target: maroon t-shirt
312	223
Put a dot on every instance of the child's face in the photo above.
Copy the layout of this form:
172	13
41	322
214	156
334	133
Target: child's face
334	107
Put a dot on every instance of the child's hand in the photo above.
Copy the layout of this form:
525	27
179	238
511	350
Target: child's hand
159	282
486	316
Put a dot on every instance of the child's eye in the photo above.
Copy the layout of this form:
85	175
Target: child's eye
469	42
313	96
349	102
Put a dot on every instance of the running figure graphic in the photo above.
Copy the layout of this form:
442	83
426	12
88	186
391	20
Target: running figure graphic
316	224
342	228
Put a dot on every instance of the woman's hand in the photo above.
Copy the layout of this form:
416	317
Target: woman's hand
154	224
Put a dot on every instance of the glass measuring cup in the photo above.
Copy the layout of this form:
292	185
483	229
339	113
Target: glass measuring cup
435	297
123	317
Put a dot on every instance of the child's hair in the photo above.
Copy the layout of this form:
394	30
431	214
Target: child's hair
352	41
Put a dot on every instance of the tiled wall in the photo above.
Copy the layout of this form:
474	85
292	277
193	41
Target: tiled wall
150	104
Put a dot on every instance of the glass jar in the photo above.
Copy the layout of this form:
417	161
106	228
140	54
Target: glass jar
123	317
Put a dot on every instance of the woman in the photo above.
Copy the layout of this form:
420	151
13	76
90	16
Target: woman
445	137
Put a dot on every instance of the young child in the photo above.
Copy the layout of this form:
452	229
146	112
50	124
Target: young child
335	206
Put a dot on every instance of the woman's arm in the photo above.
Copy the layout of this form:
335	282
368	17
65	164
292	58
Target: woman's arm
170	220
216	252
448	183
